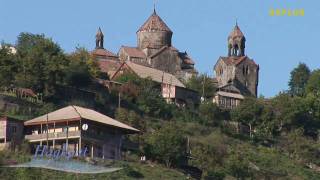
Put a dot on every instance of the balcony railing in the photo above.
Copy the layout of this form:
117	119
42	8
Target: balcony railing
51	136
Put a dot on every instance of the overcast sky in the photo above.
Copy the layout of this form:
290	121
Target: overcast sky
200	27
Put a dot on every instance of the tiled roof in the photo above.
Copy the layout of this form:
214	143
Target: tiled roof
26	91
236	32
158	52
109	65
103	52
234	60
134	52
228	94
186	58
154	23
155	74
99	33
76	112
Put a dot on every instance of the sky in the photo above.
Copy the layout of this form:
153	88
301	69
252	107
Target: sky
200	27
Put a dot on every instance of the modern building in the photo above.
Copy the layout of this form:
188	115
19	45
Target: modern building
78	128
11	132
237	75
172	89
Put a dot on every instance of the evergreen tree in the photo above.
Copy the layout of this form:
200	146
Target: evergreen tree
298	80
313	85
8	66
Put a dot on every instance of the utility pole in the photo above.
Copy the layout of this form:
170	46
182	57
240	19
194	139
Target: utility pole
203	82
119	100
47	127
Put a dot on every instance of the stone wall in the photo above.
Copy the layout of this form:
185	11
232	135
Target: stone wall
153	39
248	78
167	61
224	76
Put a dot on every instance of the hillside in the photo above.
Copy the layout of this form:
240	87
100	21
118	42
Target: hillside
262	138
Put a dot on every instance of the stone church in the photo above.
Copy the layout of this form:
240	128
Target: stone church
236	74
154	49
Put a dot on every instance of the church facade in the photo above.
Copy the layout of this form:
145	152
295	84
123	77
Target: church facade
236	74
154	49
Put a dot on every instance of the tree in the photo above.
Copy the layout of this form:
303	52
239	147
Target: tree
83	55
41	63
248	112
298	79
8	66
209	153
167	145
131	118
78	74
313	84
291	112
203	84
210	113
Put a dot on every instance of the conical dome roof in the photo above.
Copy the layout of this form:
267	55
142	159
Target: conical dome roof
236	32
99	33
154	23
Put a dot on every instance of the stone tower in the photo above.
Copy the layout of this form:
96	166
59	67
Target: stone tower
237	71
154	33
99	39
154	49
236	42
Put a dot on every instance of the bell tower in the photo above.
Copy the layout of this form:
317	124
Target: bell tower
99	39
236	42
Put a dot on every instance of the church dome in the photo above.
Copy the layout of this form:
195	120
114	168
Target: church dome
154	23
236	33
154	33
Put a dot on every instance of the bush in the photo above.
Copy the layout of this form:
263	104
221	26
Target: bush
167	145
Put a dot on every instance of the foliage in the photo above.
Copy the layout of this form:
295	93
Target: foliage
203	84
313	85
248	112
210	113
285	127
167	145
298	79
78	74
131	118
83	55
209	153
41	62
8	66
